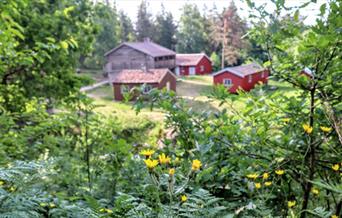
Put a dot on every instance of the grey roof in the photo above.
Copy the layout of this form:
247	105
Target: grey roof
242	70
147	47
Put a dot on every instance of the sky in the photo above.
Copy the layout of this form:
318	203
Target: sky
130	7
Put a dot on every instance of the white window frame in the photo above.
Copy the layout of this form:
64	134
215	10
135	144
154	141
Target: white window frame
249	78
227	82
202	68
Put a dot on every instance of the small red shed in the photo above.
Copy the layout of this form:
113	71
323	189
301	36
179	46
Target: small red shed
125	80
307	72
193	64
243	77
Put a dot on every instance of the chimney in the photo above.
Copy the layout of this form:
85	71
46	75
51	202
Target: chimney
147	39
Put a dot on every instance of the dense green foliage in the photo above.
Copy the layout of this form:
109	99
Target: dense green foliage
279	156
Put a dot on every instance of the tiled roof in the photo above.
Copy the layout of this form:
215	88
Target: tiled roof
242	70
189	59
147	47
139	76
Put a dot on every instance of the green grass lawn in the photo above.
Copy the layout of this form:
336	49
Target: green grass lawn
192	89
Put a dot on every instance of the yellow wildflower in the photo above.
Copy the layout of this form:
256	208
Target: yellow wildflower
43	204
147	153
196	165
102	210
265	176
334	216
151	163
326	129
315	191
335	167
252	176
268	183
12	189
307	128
279	172
286	120
163	159
257	185
52	205
291	204
2	183
184	198
172	171
109	211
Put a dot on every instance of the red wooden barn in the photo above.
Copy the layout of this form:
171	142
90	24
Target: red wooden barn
125	80
243	77
193	64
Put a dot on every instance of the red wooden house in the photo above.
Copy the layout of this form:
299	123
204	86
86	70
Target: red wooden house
125	80
193	64
243	77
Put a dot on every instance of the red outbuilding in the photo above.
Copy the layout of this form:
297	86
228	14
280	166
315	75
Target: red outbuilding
125	80
243	77
193	64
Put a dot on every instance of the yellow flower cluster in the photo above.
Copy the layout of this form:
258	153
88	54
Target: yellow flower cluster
163	159
315	191
147	153
151	164
172	171
258	185
334	216
2	183
252	176
335	167
184	198
196	165
325	129
307	128
291	204
279	172
105	210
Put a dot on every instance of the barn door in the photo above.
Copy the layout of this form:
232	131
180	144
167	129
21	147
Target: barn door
192	71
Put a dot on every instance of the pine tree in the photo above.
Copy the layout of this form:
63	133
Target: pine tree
126	28
165	30
144	24
192	36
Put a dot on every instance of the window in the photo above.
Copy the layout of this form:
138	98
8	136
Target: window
249	78
147	88
124	89
227	82
262	74
202	68
168	86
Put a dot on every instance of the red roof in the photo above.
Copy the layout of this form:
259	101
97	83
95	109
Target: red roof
146	47
139	76
189	59
242	70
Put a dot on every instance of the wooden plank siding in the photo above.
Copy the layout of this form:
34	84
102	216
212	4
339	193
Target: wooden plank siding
126	57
